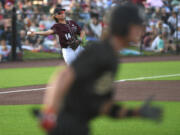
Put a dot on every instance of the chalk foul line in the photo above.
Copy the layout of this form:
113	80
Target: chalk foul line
26	90
151	77
123	80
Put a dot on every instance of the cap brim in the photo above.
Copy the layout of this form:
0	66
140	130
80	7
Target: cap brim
59	10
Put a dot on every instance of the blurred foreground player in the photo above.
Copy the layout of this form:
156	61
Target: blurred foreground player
69	33
84	90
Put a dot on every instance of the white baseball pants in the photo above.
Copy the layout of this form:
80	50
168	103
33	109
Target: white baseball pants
70	55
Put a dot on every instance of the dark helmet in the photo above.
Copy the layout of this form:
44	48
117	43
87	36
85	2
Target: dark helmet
122	16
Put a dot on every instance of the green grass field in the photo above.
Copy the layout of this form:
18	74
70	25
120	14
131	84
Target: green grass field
28	55
17	119
34	76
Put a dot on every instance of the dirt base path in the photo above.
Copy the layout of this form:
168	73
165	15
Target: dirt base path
140	90
134	90
130	90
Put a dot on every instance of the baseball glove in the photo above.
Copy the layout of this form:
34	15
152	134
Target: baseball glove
150	112
74	43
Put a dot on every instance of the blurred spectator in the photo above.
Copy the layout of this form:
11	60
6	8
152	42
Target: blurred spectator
8	10
164	15
105	33
85	13
46	22
162	27
7	32
94	28
160	43
5	49
172	22
1	11
2	2
147	40
50	44
154	44
176	34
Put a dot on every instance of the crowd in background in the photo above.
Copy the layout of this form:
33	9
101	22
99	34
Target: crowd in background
160	28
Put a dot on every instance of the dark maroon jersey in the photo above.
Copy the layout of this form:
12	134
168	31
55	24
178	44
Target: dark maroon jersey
66	32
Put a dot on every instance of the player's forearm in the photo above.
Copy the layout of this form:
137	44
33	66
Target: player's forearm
58	88
82	34
43	33
118	111
126	112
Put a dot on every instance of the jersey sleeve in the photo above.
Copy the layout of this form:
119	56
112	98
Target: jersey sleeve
54	28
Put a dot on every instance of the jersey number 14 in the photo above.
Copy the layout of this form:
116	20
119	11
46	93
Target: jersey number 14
68	36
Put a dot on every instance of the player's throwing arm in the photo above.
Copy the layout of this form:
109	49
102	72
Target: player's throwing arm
43	33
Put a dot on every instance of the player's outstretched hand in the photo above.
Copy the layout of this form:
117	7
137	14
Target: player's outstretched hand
31	33
150	112
47	119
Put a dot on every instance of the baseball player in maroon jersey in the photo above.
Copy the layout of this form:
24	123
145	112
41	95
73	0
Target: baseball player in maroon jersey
68	32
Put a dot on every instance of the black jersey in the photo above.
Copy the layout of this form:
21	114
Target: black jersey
94	74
